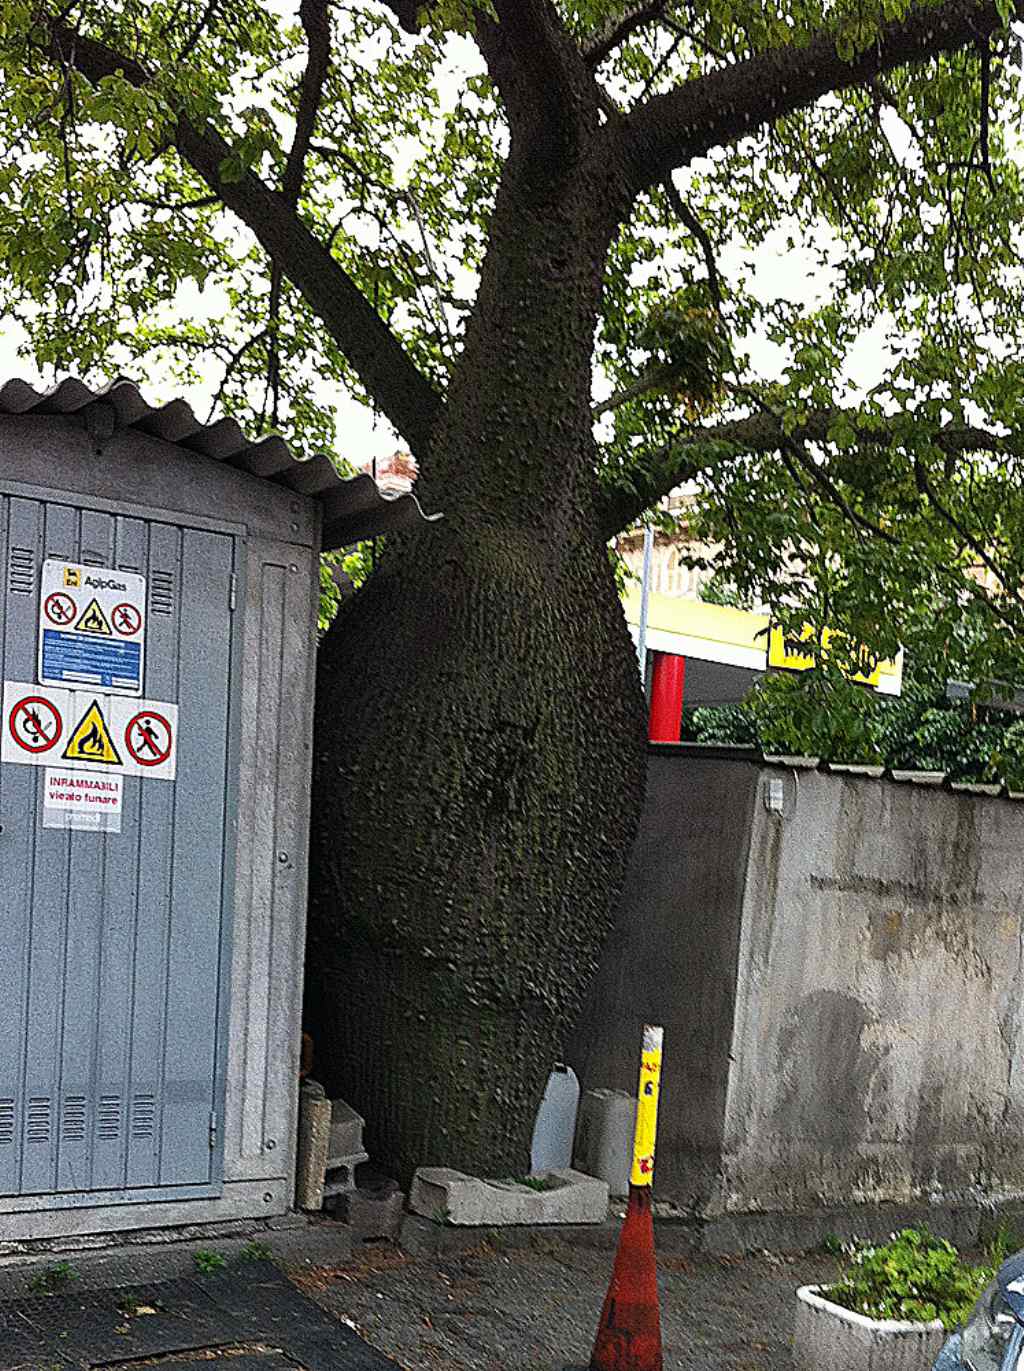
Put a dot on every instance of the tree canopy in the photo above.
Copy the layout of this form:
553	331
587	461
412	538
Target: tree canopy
326	179
578	254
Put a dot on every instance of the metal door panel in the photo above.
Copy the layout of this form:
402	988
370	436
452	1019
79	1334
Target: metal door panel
45	880
112	1120
111	973
204	665
156	818
83	1009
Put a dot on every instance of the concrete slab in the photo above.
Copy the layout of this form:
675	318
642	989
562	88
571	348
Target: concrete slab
322	1242
553	1197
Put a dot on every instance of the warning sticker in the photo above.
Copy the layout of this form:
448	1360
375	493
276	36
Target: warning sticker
80	799
93	620
34	724
90	740
87	731
92	628
149	738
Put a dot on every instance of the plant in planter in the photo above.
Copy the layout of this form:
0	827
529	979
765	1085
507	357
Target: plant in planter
891	1307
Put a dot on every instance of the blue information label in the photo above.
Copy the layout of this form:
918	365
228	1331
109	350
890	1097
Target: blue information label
74	659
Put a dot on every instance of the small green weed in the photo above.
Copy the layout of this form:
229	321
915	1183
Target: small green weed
914	1276
256	1252
541	1183
1003	1243
52	1278
209	1262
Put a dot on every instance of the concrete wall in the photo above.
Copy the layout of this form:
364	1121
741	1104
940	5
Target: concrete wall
672	959
840	984
878	1022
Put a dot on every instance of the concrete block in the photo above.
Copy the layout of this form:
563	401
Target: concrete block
346	1130
372	1214
314	1144
604	1137
340	1175
826	1335
466	1201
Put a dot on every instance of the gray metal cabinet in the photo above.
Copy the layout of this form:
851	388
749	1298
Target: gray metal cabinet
137	1089
113	966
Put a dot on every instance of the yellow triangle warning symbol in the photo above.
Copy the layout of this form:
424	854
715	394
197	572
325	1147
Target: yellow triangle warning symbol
93	620
90	740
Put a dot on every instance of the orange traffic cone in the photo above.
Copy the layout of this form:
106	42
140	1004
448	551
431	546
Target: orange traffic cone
629	1334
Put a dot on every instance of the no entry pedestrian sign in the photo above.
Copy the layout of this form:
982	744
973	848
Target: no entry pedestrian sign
92	627
82	730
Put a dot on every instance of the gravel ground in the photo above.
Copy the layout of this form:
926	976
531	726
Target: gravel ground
536	1309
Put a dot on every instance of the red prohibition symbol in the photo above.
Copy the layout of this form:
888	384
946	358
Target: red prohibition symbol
148	738
126	620
35	724
59	608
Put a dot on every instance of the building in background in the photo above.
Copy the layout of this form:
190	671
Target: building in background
697	653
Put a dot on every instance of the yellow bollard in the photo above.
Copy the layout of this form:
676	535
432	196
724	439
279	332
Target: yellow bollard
647	1107
629	1331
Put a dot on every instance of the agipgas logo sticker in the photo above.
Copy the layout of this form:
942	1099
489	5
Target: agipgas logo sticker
92	628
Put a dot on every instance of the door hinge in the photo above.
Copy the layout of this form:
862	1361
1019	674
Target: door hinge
233	599
213	1129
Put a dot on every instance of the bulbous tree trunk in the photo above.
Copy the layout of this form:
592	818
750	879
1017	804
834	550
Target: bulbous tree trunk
479	733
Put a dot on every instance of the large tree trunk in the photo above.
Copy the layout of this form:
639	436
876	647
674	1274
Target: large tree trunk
479	756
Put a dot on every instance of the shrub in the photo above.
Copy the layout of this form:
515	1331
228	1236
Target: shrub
914	1276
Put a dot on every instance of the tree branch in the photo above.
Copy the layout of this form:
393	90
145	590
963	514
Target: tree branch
703	448
927	489
687	217
536	64
394	382
317	25
671	129
407	12
617	31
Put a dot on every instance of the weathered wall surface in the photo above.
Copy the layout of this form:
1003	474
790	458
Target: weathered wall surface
672	959
840	984
878	1024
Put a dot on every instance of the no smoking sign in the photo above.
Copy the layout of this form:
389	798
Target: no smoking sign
34	724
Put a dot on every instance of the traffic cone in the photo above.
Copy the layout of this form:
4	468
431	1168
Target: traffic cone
629	1333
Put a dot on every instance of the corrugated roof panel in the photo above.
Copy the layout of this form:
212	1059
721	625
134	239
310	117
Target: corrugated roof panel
353	509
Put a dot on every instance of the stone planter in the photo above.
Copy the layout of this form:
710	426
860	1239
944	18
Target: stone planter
452	1197
827	1337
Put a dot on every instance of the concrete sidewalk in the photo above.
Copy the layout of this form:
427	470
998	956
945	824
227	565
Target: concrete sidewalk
522	1301
535	1308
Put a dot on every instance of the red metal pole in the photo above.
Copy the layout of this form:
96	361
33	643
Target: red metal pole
667	682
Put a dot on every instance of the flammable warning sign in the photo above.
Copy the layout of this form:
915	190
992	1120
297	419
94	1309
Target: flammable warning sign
81	799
